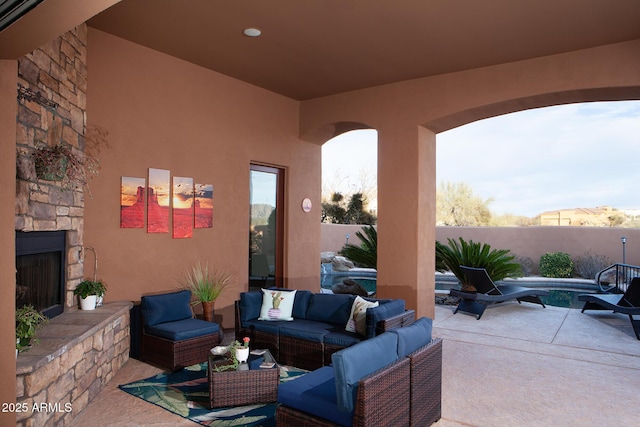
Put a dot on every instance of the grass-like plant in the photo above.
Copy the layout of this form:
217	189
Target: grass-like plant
499	263
366	254
206	285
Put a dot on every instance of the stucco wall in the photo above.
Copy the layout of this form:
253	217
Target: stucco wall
532	242
8	111
161	112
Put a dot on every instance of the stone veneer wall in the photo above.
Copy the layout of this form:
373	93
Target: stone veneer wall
77	355
58	70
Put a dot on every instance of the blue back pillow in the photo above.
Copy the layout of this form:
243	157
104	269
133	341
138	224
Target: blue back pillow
166	307
414	336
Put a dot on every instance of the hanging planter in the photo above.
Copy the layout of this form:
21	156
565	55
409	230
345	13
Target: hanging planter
59	163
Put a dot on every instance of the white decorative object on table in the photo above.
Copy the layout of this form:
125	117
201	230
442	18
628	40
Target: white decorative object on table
242	354
219	350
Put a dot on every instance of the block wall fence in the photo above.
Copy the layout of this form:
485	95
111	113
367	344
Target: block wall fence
532	242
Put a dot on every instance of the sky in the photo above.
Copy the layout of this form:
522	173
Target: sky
562	157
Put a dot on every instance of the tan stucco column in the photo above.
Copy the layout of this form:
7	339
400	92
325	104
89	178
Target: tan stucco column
406	216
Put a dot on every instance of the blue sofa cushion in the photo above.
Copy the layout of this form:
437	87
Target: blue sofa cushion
355	362
341	338
381	312
414	336
330	308
305	329
301	304
315	394
166	307
262	326
250	303
183	329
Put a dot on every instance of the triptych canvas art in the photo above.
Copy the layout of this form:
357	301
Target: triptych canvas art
188	205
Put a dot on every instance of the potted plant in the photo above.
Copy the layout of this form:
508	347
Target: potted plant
239	352
89	291
206	286
28	320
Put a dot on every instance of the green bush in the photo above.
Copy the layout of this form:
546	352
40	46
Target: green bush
556	264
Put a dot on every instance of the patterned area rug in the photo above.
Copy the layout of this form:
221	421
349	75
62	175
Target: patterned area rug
186	393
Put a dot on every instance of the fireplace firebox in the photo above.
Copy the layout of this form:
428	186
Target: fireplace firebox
40	270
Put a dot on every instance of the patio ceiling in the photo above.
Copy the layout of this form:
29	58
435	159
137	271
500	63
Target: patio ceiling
314	48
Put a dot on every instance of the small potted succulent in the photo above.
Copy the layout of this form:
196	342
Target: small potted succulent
89	291
28	321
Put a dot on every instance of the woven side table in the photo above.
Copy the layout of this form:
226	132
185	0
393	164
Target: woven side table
245	386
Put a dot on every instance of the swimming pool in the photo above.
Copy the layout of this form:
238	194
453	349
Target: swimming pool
562	292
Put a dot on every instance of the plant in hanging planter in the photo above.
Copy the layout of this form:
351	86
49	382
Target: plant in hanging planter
206	286
88	291
28	321
59	163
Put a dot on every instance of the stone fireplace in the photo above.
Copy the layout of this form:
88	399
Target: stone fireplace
40	270
78	352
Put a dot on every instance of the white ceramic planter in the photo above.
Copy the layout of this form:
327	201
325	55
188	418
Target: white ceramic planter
242	354
88	303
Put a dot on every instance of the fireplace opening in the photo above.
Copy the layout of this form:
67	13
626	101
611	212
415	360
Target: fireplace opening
40	270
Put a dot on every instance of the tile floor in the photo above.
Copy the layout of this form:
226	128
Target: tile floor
520	365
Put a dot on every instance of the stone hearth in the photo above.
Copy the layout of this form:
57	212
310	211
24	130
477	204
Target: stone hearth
77	354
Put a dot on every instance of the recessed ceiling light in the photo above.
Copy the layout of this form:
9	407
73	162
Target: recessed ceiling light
252	32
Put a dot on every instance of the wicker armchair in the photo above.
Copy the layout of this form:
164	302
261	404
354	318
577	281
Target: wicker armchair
170	336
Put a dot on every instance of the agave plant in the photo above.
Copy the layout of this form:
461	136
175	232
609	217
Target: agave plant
498	262
365	255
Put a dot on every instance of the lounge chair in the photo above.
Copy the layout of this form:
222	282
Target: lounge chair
488	293
627	303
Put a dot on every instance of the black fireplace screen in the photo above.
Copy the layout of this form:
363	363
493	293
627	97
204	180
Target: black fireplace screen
40	265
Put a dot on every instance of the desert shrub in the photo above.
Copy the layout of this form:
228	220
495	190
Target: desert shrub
556	264
526	265
590	263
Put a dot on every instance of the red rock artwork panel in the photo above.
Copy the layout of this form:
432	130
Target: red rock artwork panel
158	201
183	207
132	195
204	206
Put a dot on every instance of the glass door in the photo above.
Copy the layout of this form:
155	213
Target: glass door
266	226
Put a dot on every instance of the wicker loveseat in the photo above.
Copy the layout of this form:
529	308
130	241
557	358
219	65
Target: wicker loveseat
316	328
392	379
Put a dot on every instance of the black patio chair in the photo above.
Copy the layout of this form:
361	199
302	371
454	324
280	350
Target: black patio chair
628	303
489	293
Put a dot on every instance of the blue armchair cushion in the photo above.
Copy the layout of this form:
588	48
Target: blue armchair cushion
262	326
183	329
414	336
330	308
355	362
166	307
315	394
384	311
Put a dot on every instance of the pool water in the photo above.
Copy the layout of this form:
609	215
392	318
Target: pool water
567	298
563	298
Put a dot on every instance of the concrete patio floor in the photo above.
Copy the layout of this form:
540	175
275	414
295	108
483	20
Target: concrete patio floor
520	365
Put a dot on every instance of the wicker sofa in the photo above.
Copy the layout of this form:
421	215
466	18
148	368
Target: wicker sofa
392	379
316	328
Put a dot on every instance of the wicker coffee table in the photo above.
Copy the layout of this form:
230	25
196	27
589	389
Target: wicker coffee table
248	384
